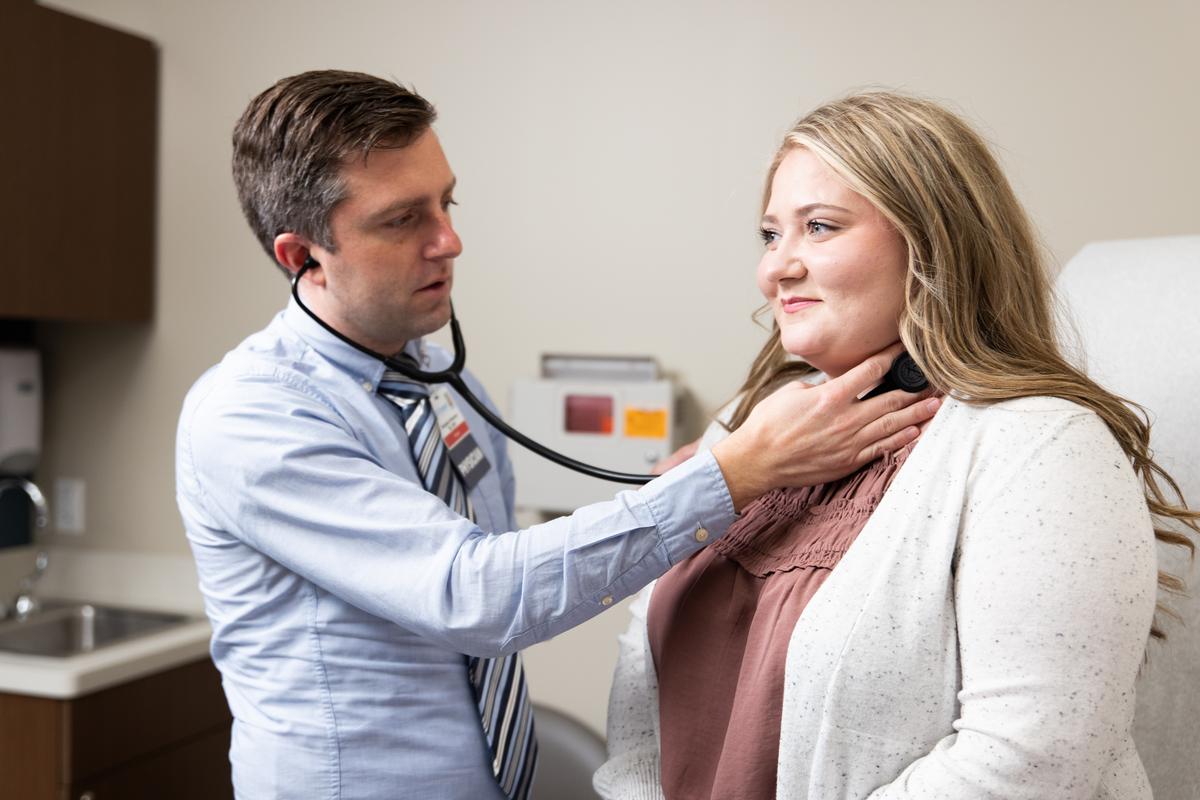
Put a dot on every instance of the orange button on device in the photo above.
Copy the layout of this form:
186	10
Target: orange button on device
648	423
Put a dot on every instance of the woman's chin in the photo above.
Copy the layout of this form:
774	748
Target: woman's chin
809	352
831	365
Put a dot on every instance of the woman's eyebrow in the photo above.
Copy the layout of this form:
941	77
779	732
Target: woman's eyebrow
805	210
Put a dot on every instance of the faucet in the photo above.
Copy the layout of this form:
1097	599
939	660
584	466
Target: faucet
26	603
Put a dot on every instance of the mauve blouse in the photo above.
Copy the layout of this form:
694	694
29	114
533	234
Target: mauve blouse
719	625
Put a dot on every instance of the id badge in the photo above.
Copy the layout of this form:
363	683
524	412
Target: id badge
464	451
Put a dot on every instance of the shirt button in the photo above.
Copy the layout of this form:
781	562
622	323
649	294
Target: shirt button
367	385
701	535
606	600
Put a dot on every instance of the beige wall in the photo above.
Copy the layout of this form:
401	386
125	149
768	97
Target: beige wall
610	157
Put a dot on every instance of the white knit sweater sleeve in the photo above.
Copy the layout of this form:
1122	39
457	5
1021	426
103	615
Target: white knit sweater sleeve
631	772
1054	591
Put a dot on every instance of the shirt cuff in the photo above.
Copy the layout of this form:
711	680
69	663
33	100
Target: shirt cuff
691	505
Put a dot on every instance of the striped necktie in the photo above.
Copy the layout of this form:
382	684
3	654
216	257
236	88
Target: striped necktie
499	683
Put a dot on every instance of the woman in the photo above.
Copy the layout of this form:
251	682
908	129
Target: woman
963	618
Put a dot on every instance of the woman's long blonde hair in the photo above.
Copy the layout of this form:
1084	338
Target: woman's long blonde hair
978	315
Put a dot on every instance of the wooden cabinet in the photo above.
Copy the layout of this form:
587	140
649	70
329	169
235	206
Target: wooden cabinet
78	149
162	736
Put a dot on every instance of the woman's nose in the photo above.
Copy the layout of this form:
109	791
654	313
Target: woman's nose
785	263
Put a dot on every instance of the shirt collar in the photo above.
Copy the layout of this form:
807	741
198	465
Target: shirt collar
363	367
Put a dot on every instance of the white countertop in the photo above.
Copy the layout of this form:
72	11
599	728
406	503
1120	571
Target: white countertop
64	678
130	580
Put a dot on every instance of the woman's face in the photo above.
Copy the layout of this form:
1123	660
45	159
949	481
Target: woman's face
833	270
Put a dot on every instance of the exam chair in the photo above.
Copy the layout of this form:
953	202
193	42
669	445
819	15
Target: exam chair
1137	308
568	753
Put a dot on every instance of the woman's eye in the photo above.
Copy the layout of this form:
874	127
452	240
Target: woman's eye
817	227
768	237
449	201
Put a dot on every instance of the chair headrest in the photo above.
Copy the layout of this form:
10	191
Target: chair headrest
1136	305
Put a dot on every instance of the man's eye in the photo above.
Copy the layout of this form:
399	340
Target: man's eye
449	201
769	237
401	221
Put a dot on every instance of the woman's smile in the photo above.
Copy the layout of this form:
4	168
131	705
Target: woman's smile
791	305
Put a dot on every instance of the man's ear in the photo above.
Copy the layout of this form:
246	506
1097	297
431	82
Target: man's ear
291	251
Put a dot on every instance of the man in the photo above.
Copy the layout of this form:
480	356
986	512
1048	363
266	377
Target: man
358	575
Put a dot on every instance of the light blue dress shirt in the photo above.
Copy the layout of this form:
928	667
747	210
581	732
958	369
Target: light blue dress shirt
343	596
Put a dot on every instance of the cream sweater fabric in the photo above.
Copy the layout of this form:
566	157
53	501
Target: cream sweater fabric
979	640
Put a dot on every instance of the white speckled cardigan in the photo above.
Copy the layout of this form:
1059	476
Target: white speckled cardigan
980	639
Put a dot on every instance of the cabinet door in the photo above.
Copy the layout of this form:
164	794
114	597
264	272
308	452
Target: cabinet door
31	736
78	149
195	770
162	736
129	722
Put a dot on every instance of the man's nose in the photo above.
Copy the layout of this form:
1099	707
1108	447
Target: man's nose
445	242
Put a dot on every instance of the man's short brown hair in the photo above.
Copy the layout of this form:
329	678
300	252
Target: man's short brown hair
291	141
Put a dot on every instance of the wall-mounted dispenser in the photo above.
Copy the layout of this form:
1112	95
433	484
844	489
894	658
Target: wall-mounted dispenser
20	437
20	411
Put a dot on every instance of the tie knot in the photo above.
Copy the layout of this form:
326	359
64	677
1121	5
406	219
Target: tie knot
406	359
397	384
393	384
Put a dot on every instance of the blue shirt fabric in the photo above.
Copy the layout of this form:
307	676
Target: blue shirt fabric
344	597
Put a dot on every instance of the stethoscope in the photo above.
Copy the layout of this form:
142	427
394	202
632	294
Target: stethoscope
452	375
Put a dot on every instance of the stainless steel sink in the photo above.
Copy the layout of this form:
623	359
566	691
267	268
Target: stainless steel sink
69	630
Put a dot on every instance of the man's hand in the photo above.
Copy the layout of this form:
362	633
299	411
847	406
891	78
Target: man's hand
805	435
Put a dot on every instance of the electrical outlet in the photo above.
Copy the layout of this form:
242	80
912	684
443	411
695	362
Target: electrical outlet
68	506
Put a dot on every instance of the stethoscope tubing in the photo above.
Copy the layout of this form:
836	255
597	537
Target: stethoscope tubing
452	376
